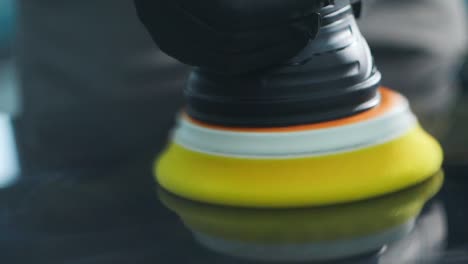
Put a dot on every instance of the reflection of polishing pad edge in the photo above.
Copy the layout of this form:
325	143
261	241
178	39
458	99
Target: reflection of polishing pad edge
323	223
331	179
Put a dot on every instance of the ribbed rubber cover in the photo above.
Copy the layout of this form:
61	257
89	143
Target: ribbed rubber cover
333	77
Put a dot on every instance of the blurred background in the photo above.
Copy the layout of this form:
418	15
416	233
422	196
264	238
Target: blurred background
8	99
85	85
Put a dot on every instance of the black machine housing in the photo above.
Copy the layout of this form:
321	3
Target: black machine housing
334	76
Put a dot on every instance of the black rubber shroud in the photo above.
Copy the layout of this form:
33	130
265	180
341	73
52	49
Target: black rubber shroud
332	78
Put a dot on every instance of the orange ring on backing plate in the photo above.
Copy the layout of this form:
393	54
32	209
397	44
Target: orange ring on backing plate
389	99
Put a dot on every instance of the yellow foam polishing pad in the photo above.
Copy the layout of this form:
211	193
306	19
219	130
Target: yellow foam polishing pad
315	224
299	182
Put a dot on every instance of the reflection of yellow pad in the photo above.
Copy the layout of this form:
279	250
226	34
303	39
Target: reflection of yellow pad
308	224
296	182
